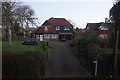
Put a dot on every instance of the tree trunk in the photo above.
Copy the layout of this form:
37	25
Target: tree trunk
116	39
9	37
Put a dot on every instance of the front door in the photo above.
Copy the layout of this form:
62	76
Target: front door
41	37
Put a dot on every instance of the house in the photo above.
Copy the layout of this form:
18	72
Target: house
93	26
58	26
46	33
104	31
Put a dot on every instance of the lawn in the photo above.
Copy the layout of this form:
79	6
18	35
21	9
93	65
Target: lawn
17	46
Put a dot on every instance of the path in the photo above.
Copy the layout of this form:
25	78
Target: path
63	64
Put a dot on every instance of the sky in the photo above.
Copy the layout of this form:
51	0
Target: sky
79	12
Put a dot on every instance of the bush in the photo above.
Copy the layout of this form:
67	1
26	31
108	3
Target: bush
110	41
44	45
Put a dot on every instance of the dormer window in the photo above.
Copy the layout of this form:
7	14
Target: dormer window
66	28
57	27
46	28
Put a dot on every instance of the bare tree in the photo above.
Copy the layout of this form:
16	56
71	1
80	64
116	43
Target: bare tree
25	15
8	9
72	22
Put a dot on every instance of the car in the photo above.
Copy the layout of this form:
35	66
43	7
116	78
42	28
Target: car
63	39
30	42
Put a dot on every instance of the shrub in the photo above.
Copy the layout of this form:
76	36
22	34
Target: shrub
110	41
44	45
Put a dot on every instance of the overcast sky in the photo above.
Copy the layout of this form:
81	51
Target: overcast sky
79	12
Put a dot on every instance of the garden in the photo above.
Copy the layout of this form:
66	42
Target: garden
89	48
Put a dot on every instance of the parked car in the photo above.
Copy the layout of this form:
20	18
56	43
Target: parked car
63	39
30	42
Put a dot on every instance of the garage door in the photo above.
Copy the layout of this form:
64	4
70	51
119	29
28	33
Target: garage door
68	37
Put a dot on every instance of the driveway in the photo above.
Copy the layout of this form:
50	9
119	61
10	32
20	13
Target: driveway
63	64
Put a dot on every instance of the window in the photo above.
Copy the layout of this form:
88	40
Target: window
54	36
57	27
71	27
66	28
104	28
46	28
104	36
88	27
37	36
47	36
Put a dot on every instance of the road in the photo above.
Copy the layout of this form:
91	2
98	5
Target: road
63	64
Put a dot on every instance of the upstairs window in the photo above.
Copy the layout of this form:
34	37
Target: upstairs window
104	28
67	28
71	27
88	27
57	27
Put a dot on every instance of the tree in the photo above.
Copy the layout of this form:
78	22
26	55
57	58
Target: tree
77	28
25	15
115	14
72	22
15	16
8	9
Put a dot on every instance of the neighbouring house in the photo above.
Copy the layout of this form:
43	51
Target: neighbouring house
58	26
93	26
104	31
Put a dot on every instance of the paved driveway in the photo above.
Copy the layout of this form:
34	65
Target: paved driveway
63	64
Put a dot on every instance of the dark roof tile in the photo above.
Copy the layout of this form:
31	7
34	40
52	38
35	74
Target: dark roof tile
59	22
93	26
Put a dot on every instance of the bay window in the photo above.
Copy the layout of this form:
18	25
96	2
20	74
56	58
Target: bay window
47	36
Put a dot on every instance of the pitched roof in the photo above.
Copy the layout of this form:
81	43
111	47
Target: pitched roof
93	26
50	30
59	22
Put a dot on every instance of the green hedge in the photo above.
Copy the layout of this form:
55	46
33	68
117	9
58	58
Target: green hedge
21	64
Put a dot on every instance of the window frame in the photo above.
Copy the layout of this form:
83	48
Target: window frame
54	36
37	36
105	36
47	36
67	28
104	28
57	27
